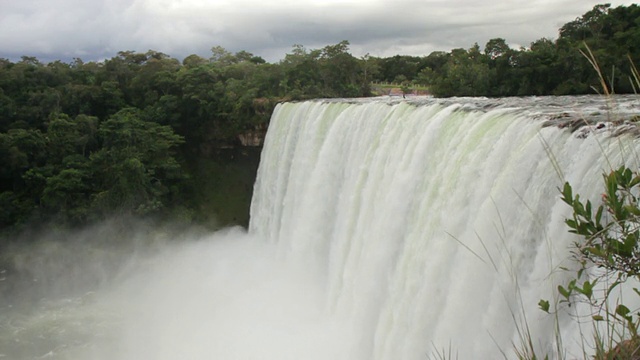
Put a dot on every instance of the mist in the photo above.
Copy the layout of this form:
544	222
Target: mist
138	292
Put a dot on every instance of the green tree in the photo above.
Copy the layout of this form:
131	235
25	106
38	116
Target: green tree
586	26
301	76
339	71
24	152
155	78
135	170
66	194
400	65
194	60
466	73
221	56
496	48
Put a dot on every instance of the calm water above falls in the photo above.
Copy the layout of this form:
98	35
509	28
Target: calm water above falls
380	229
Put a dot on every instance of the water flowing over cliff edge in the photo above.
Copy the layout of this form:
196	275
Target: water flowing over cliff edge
380	229
438	222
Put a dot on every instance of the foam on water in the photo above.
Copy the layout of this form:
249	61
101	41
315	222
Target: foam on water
379	230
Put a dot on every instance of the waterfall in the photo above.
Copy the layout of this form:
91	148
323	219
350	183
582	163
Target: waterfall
434	225
381	229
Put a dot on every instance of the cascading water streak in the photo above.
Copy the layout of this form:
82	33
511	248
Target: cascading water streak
435	224
380	229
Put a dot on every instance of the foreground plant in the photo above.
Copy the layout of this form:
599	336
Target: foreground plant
608	256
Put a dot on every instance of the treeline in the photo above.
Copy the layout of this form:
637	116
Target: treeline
546	67
82	140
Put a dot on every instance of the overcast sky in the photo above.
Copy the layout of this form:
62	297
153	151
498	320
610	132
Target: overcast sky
98	29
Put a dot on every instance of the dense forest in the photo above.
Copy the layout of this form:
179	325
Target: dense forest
141	134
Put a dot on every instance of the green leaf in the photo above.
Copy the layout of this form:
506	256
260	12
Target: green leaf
622	310
564	292
578	208
627	175
599	214
587	289
571	223
597	318
595	251
630	243
567	195
632	209
544	305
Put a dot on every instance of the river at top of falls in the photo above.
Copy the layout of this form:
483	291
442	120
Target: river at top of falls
380	229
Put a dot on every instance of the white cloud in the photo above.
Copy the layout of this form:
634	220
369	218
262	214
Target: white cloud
62	29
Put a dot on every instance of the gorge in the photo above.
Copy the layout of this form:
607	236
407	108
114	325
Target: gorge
380	229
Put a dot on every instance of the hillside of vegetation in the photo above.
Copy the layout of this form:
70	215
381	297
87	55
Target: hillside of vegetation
147	135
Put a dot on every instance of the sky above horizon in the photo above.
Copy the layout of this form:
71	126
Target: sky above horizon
94	30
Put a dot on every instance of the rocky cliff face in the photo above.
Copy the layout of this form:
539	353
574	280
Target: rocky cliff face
252	138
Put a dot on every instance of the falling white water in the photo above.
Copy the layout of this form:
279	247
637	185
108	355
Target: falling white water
434	226
380	230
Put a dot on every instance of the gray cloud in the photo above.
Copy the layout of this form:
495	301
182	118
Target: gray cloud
94	30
